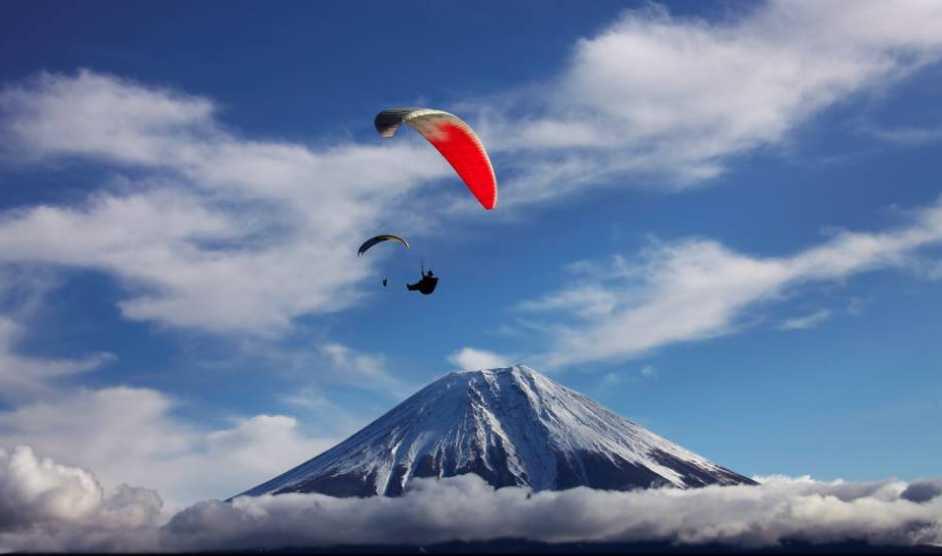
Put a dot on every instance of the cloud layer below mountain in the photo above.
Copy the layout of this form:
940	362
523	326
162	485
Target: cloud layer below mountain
47	506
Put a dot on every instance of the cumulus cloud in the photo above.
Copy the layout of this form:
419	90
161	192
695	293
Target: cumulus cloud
131	435
678	96
697	288
806	321
34	489
468	358
48	506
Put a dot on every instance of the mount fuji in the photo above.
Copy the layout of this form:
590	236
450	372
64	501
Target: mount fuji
513	427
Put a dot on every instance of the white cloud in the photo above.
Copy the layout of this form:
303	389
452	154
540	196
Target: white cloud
468	358
308	398
42	487
648	371
466	508
47	506
586	302
677	96
131	435
95	115
905	135
341	364
803	322
360	367
220	232
697	289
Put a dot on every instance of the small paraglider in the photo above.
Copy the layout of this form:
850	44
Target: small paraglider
454	139
368	244
426	285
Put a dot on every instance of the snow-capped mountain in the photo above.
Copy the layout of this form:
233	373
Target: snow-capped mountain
511	426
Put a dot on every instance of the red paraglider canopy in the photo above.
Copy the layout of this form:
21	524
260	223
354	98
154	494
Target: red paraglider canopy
455	140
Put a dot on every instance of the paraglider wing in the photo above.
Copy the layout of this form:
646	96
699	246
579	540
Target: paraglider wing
455	140
379	239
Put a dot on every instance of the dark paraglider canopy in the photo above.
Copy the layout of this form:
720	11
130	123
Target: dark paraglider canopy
454	139
368	244
379	239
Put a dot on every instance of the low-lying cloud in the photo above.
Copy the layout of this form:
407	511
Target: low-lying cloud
46	506
133	435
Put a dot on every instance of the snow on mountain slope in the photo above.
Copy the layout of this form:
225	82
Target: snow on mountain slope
511	426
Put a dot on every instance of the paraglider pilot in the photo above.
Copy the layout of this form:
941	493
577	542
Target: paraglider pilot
426	285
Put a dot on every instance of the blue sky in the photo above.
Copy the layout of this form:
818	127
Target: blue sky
720	219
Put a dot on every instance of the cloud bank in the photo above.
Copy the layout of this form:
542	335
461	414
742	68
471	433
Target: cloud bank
46	506
133	435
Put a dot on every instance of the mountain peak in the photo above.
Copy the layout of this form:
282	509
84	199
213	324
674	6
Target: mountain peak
510	425
523	369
